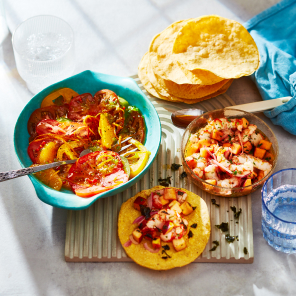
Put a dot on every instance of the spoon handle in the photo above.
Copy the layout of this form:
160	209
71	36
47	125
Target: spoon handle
30	170
261	106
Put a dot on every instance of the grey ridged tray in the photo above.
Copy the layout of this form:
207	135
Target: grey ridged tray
91	234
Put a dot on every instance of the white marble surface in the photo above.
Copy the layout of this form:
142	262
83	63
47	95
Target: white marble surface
111	37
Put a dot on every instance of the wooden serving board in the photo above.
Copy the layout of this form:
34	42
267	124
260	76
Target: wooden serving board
91	234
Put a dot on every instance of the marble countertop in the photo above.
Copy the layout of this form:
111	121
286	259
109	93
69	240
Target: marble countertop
111	36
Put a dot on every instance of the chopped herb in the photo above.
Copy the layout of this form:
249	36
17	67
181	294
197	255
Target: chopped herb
213	200
165	182
229	238
183	175
190	234
63	119
259	145
175	166
236	213
194	225
240	172
245	251
216	243
181	193
145	211
229	138
223	226
228	120
235	172
268	158
230	160
165	248
149	235
185	226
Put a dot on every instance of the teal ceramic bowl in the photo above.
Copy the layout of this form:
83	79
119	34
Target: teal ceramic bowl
90	82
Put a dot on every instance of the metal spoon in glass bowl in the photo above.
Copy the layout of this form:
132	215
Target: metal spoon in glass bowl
182	118
34	169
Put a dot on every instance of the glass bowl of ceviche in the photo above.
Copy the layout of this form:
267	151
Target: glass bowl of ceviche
87	111
229	152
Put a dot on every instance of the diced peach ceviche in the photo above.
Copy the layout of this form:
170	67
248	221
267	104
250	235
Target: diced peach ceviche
229	153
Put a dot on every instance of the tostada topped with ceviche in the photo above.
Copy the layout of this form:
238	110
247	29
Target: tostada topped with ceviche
164	227
68	123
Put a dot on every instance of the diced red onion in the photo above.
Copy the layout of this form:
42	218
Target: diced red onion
150	249
149	201
128	243
133	240
241	142
139	220
217	171
153	213
213	155
226	154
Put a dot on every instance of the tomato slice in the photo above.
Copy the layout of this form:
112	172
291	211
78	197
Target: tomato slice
107	183
50	112
38	115
69	129
97	172
47	126
81	106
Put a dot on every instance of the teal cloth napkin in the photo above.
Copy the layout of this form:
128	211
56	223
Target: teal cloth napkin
274	31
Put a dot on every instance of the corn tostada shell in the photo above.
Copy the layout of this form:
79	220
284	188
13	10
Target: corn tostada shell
195	244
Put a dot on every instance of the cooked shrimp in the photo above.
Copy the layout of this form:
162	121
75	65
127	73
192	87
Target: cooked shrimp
210	173
200	166
255	139
258	163
229	183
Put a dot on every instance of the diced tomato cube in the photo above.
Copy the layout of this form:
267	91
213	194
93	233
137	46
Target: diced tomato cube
156	201
191	163
143	224
139	201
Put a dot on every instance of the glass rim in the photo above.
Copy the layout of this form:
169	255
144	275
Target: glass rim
37	16
258	183
264	188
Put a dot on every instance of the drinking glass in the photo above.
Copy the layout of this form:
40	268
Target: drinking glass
279	210
44	51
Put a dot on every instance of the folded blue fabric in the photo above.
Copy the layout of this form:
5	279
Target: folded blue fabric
274	31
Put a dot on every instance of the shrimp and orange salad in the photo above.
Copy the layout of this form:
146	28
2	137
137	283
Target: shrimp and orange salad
68	123
229	153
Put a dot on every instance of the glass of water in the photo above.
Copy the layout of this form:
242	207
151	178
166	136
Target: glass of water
44	51
279	210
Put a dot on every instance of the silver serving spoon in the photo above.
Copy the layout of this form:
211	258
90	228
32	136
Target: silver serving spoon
31	170
182	118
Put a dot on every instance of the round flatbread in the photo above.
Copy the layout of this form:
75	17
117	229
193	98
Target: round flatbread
195	244
163	63
216	44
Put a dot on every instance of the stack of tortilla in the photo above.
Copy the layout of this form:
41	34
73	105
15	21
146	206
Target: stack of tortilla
197	59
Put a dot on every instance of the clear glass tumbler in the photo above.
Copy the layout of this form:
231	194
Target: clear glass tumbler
279	210
44	51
